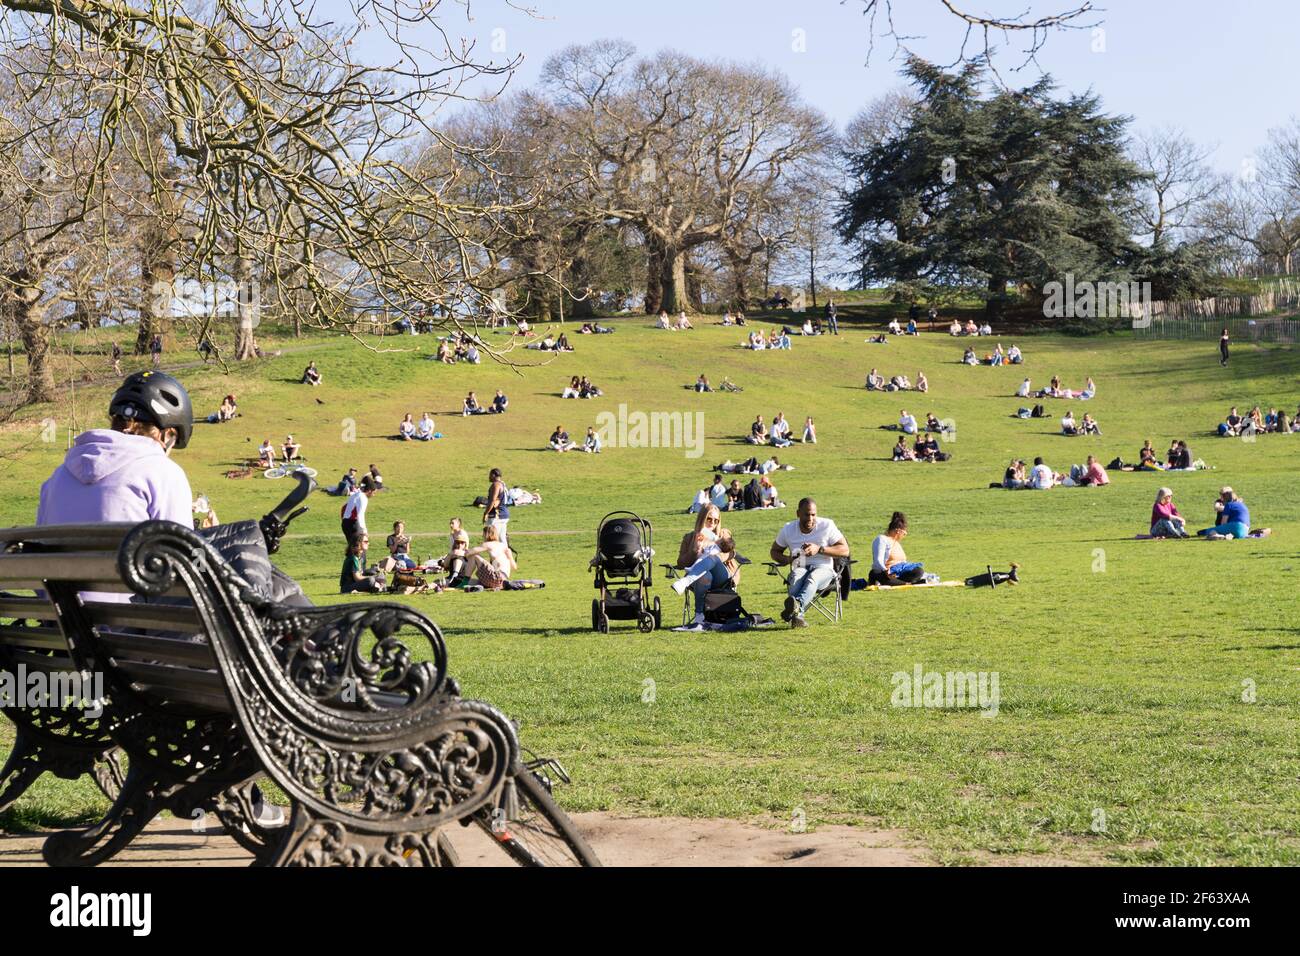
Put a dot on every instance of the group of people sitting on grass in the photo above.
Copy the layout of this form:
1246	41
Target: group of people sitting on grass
1055	390
551	343
1231	518
925	448
779	434
758	493
580	387
594	328
1012	356
423	430
458	347
970	328
1087	426
290	451
498	405
726	385
560	441
1256	423
758	341
1041	477
349	482
488	566
681	324
896	328
1178	458
897	383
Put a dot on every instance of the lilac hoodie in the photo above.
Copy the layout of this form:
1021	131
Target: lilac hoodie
113	476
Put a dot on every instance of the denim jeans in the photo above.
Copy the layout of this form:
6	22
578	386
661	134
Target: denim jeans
713	574
805	583
1164	528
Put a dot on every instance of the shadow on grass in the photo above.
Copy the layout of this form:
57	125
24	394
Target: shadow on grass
26	819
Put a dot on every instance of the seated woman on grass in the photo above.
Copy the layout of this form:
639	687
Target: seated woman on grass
588	390
406	430
446	354
683	323
560	440
875	381
355	576
932	424
902	452
708	556
780	432
591	444
1147	460
894	327
1089	426
399	546
663	322
1013	479
889	565
1023	390
492	562
571	390
471	406
228	409
922	383
768	497
999	357
1014	356
906	422
1068	426
702	383
1166	522
969	358
955	328
266	454
927	449
756	341
735	496
453	563
1232	517
809	431
807	327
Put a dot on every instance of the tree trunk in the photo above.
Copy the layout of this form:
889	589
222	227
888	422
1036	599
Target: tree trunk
812	274
29	314
157	282
673	281
247	306
997	289
654	289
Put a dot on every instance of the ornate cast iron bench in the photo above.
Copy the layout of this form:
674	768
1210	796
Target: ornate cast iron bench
208	686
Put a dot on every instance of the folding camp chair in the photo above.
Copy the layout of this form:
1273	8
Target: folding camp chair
715	598
829	601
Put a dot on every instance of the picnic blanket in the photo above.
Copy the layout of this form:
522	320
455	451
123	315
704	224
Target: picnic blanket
928	584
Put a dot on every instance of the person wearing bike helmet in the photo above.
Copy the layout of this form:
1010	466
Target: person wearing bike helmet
125	472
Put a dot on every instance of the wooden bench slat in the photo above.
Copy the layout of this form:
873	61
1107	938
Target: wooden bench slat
217	703
164	650
46	637
53	664
27	608
112	587
108	534
166	676
96	566
162	617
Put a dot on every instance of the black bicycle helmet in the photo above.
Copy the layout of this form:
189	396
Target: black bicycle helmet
155	398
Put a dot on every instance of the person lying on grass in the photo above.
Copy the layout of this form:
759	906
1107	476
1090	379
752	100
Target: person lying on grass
560	440
889	565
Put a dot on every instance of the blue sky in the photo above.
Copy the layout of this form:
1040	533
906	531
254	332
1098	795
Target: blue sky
1224	75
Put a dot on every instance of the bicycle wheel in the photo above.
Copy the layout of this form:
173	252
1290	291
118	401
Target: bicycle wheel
538	833
276	472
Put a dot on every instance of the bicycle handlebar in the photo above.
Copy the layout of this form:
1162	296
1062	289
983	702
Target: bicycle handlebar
276	523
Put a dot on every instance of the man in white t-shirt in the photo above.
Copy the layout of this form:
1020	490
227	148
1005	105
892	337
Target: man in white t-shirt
813	544
1040	476
907	422
354	509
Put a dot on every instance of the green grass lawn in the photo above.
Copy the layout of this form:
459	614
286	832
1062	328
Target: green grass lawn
1122	734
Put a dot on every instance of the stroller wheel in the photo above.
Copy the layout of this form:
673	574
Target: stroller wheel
658	616
602	624
646	622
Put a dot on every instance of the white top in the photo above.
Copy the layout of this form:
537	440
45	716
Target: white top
1024	389
1040	477
426	427
907	423
768	493
881	548
406	428
355	507
823	534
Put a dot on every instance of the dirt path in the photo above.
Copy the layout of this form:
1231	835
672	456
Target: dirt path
618	841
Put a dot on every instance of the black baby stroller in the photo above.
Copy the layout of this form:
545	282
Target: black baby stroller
622	565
